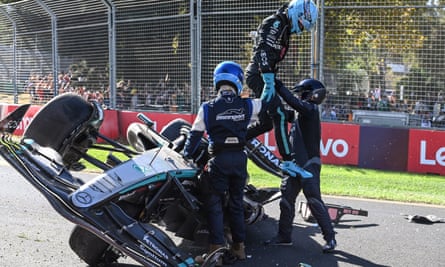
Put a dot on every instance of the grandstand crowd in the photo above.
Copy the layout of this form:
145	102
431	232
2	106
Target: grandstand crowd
173	97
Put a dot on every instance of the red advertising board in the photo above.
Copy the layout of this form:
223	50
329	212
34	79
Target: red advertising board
108	127
415	150
160	119
339	143
26	119
426	151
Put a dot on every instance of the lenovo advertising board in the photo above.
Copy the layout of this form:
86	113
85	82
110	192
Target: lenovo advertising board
426	151
340	144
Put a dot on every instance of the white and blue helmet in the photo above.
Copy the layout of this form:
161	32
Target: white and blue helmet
303	14
228	72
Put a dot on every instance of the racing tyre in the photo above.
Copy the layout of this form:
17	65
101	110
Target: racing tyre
140	138
173	129
177	131
91	249
56	121
67	121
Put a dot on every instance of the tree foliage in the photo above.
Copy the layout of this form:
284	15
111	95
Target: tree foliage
360	38
363	34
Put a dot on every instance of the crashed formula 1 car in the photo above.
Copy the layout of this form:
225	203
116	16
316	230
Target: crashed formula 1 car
144	188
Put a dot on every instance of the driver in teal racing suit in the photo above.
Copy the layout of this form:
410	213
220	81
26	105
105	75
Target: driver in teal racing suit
271	48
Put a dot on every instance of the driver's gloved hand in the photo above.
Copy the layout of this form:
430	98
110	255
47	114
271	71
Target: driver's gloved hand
291	168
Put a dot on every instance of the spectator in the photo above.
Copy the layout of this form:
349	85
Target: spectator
162	99
134	99
383	104
327	113
425	119
332	114
31	87
181	99
370	101
40	90
377	94
120	98
148	101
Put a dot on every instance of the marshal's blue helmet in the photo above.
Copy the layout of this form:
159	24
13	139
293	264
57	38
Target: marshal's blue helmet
303	14
228	72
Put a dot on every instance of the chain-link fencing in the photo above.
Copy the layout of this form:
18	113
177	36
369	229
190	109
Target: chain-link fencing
382	61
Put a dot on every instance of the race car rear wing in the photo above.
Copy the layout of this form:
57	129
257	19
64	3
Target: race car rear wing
335	212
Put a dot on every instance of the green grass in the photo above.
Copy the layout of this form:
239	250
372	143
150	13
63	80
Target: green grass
356	182
367	183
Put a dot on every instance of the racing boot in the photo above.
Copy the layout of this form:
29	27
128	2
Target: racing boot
291	168
329	246
238	250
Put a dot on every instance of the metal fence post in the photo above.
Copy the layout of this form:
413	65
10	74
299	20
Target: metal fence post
320	29
112	51
54	44
195	34
315	51
14	54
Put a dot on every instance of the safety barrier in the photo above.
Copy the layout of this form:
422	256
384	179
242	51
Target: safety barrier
372	147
